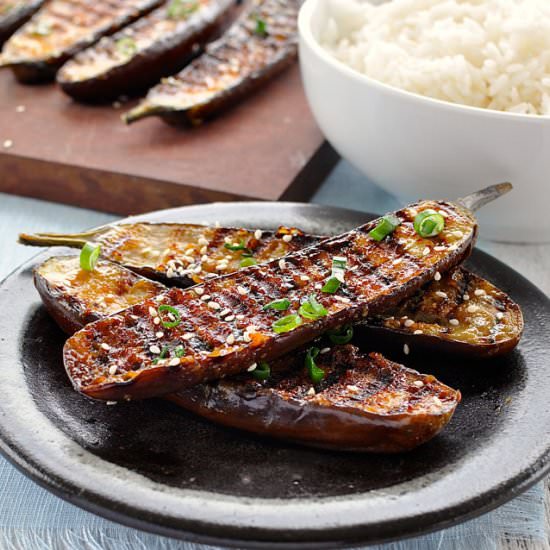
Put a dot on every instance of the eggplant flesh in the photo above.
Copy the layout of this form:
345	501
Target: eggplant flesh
138	56
13	14
257	47
61	29
224	327
364	403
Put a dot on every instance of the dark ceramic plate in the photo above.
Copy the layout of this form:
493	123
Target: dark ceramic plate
152	466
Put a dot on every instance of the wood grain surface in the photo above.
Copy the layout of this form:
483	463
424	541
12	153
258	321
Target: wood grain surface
268	148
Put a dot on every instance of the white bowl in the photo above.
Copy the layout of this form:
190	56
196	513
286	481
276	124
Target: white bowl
417	147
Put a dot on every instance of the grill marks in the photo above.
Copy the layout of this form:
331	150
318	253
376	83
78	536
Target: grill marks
364	288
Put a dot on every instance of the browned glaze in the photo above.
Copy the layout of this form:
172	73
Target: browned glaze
136	57
13	14
459	308
258	46
224	328
364	403
62	28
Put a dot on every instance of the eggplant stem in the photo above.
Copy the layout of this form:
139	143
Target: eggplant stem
143	110
480	198
74	240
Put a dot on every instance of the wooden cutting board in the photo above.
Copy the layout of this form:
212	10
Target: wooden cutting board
268	148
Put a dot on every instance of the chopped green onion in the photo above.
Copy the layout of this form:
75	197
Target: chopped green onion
179	9
332	284
179	351
315	373
240	246
262	371
342	335
387	225
286	324
261	27
89	256
429	223
126	46
312	309
280	305
246	262
171	310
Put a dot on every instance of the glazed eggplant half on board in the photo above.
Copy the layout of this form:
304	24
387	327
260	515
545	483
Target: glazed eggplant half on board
228	323
138	56
330	396
14	13
257	47
61	29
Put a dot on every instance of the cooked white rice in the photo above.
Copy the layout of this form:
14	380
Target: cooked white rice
485	53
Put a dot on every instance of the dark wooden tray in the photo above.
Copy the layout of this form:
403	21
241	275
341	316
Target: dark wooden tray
268	148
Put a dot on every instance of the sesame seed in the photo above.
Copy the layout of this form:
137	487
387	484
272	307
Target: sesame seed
105	346
287	238
418	383
282	264
8	143
441	294
437	401
214	305
352	387
479	292
154	349
170	273
20	109
437	276
156	321
406	349
304	277
188	335
230	318
418	331
152	311
159	334
112	370
111	403
412	212
251	328
240	316
499	315
324	350
318	286
252	367
225	312
454	322
199	291
175	361
466	297
258	234
241	290
409	323
230	339
398	261
203	250
311	391
221	266
204	258
443	213
426	251
404	317
246	337
205	297
471	309
228	240
202	241
458	234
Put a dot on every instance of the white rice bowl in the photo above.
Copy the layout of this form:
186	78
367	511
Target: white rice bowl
493	54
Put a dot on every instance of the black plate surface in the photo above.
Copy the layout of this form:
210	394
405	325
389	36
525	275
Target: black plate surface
152	466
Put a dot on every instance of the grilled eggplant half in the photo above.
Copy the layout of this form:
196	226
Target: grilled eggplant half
364	403
14	13
227	323
182	254
459	313
138	56
257	47
61	29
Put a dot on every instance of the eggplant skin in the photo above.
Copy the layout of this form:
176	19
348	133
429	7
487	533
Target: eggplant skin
61	29
233	67
160	45
222	324
364	403
74	297
14	14
460	314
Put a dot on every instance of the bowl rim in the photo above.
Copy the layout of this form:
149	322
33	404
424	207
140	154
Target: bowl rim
306	37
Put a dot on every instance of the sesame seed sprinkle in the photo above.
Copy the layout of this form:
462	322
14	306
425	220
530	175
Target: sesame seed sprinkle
409	323
479	292
287	238
282	264
154	349
225	312
466	297
418	331
406	349
156	321
252	367
205	297
418	383
437	276
246	337
159	334
241	290
437	401
239	317
199	291
454	322
202	241
188	335
230	339
440	248
175	361
324	350
499	315
152	311
441	294
105	346
426	251
471	309
230	318
228	240
258	234
304	277
311	391
112	370
214	305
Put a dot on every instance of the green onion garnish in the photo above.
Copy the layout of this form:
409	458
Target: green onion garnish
429	223
341	335
332	284
315	373
312	309
179	351
89	256
262	371
171	310
286	324
231	246
126	46
261	27
179	9
387	225
245	262
280	305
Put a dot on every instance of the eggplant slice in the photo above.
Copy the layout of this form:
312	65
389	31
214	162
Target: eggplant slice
14	13
138	56
459	313
182	254
61	29
223	324
364	403
257	47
